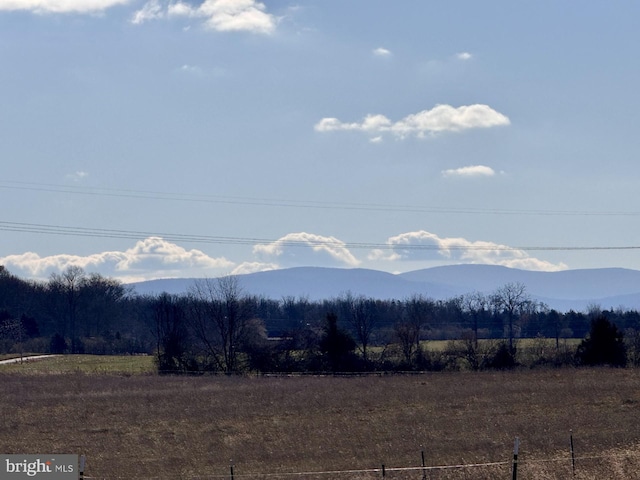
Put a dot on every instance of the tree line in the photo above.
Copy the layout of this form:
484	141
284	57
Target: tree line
218	327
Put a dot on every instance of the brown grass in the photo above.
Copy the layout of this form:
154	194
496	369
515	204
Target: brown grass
143	427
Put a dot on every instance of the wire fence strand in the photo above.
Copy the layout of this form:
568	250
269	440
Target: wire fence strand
373	471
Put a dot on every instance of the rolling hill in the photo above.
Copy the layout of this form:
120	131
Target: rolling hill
563	290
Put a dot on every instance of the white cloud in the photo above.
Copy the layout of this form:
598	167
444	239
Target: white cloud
441	118
154	251
195	71
220	15
464	56
426	246
152	10
77	176
191	70
253	267
470	171
152	257
181	10
307	249
382	52
60	6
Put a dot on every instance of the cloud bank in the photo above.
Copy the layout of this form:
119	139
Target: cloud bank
382	52
219	15
425	246
470	171
60	6
154	257
441	118
295	249
150	258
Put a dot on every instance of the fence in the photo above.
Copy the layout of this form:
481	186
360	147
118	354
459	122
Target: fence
515	468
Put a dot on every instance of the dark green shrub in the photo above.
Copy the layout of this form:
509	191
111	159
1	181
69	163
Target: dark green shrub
604	345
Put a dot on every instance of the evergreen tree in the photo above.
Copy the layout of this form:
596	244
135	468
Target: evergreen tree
603	346
337	345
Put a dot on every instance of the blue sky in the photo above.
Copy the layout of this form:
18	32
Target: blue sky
151	138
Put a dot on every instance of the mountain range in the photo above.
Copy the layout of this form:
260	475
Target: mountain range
563	290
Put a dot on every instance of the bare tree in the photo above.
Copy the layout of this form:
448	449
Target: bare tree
512	300
169	314
102	300
68	287
418	311
360	313
408	338
475	304
408	329
221	317
13	329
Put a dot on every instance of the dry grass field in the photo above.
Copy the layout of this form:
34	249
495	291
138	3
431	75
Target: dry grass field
147	426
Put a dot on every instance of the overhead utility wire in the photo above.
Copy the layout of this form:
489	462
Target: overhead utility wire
275	202
136	235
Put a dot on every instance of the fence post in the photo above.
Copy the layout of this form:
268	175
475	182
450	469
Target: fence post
424	471
82	462
383	471
573	457
231	468
516	447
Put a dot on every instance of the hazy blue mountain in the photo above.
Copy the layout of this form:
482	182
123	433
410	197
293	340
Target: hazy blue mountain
564	290
315	283
318	283
565	284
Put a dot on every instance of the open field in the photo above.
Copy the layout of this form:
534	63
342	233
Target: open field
147	426
89	364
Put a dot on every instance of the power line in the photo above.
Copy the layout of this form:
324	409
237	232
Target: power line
291	242
289	203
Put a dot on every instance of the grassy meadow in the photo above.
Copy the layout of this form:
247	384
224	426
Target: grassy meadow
132	424
88	364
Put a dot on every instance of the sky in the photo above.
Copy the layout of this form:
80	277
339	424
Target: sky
145	139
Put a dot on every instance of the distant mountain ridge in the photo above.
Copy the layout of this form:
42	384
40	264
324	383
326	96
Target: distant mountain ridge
563	290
